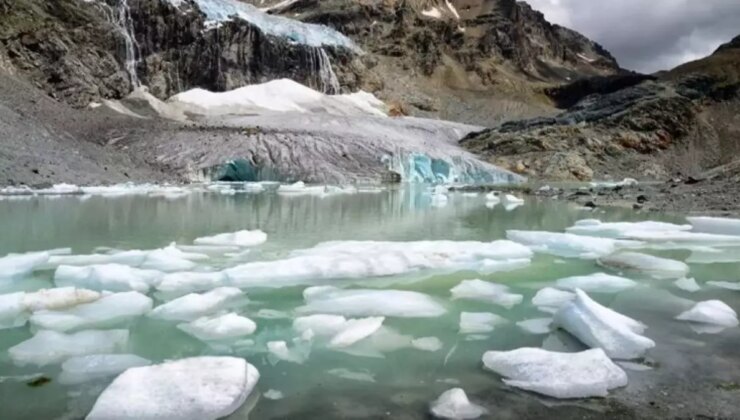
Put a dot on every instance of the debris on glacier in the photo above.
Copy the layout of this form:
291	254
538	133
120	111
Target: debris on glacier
479	322
597	282
600	327
369	302
16	308
497	294
193	306
52	347
220	327
80	369
197	388
586	374
713	312
655	267
454	404
108	310
569	245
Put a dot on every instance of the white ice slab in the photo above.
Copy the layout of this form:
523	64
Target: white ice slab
586	374
178	284
656	267
370	302
479	322
13	311
193	306
51	347
593	227
716	225
80	369
600	327
535	326
16	266
687	284
496	294
430	344
220	327
106	311
198	388
729	285
242	238
355	330
454	404
597	282
569	245
550	299
714	312
110	277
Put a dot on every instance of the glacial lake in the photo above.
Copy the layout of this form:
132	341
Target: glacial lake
390	377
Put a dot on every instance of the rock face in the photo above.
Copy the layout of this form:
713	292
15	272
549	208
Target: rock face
628	125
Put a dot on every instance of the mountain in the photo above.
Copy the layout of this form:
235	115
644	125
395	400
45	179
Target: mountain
683	121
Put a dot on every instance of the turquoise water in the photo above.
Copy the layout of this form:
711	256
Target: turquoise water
404	381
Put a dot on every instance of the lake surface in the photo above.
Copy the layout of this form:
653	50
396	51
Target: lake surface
400	380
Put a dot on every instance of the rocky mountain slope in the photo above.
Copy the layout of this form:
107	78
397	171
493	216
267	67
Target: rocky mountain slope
682	121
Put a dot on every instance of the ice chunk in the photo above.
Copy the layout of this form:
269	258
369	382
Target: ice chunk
110	277
193	306
512	199
171	259
198	388
479	322
729	285
352	375
600	327
280	350
716	225
454	404
495	266
431	344
222	327
77	370
711	255
273	394
684	238
243	238
369	302
132	258
497	294
355	330
58	298
106	311
361	259
586	374
178	284
567	244
320	324
714	312
656	267
550	299
535	326
593	227
439	200
15	266
597	282
13	311
50	347
687	284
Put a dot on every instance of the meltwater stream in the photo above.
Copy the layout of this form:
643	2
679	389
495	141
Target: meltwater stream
398	370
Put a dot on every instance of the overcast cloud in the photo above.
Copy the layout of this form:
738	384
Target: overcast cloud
649	35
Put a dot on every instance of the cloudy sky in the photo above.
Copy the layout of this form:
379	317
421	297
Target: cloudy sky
649	35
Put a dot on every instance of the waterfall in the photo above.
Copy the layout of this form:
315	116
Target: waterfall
126	26
325	80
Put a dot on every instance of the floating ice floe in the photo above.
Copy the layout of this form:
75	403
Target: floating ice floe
600	327
281	351
339	331
656	267
597	282
193	306
430	344
729	285
586	374
683	239
687	284
363	259
716	225
80	369
352	375
439	200
111	277
627	182
497	294
369	302
220	327
713	312
594	227
479	322
384	340
106	311
273	394
535	326
714	255
569	245
242	238
16	308
198	388
167	259
550	299
51	347
178	284
512	199
16	266
454	404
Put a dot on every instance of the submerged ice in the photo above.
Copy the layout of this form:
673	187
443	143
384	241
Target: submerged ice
367	302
